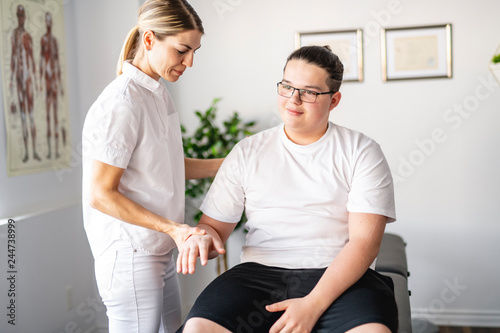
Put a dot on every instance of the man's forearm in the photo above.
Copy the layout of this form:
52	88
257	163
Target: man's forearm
345	270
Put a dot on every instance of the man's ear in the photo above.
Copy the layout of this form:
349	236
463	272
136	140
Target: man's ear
148	38
335	100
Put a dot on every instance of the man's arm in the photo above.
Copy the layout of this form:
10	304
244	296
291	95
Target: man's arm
28	46
13	62
42	59
206	247
58	67
199	168
365	236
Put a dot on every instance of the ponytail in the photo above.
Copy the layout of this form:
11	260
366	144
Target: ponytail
128	49
164	18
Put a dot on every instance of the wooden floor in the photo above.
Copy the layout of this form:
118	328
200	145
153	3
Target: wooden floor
451	329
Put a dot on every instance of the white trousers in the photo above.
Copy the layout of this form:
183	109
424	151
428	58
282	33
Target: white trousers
140	290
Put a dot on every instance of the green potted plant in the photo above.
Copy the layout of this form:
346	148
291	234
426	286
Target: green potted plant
211	141
495	65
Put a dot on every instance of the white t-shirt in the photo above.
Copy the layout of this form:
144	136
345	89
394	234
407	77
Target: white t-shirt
134	125
297	198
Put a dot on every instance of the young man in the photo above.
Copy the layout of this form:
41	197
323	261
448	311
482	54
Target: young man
317	197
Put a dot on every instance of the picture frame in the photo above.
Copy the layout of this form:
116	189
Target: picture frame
346	44
33	69
416	52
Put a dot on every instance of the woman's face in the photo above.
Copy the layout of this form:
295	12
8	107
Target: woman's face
306	123
169	58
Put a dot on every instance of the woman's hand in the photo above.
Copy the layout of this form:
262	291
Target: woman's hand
181	232
204	246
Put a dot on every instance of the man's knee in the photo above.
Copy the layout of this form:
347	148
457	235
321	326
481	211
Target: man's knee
196	325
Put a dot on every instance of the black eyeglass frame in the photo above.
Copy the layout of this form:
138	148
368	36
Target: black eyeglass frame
301	91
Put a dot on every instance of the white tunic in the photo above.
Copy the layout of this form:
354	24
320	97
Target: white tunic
134	125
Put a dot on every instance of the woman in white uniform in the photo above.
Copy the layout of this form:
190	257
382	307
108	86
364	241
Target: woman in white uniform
134	171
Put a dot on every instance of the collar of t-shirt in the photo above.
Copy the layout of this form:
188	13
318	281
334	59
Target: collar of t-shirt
305	149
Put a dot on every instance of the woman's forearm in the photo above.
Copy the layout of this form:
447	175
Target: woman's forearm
117	205
105	197
199	168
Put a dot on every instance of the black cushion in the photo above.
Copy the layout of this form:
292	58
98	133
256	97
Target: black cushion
392	255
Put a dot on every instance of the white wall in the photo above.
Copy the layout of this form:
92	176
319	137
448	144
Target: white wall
53	286
446	206
447	199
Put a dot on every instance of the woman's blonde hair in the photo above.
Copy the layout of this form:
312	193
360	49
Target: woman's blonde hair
164	18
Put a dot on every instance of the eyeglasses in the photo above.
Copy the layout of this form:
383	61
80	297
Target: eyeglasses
305	95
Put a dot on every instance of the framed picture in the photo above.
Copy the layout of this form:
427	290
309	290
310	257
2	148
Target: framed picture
416	52
35	94
347	45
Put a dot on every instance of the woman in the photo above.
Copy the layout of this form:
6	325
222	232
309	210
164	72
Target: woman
134	171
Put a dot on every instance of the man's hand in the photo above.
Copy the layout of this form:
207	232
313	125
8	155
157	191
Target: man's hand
198	246
300	315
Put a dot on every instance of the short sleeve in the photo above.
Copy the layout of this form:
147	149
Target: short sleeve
372	188
115	131
225	200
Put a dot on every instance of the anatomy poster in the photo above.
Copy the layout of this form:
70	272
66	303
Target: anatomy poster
35	104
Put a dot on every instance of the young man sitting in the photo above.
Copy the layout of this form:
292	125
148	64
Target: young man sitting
317	197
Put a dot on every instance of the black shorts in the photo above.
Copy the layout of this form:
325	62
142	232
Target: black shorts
237	299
